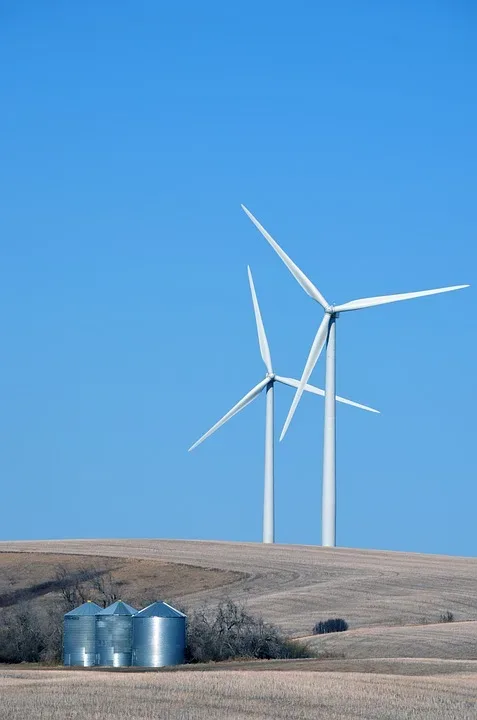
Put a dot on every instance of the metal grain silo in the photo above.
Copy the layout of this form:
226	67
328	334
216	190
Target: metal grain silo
159	635
114	635
79	635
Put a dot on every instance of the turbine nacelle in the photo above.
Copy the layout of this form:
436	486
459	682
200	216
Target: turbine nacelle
268	384
270	376
331	311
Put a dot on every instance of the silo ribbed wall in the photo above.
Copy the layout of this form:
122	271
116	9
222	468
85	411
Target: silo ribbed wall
79	635
113	640
158	641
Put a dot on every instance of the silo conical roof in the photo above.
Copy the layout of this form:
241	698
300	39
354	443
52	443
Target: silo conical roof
87	608
160	609
118	608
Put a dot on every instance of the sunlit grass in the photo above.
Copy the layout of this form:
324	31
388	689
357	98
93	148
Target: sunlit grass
233	695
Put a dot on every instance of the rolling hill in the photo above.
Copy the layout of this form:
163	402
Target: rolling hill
395	661
293	586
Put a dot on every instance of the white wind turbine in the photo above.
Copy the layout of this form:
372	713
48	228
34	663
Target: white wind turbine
327	334
267	383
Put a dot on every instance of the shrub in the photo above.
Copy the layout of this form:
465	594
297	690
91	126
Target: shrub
446	617
26	635
330	626
29	633
229	632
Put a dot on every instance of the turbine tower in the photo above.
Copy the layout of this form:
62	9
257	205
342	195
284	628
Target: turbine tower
267	384
327	334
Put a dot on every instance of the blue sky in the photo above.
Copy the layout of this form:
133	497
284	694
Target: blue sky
129	135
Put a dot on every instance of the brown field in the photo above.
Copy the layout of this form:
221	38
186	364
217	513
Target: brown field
457	640
293	586
396	661
378	666
32	576
56	695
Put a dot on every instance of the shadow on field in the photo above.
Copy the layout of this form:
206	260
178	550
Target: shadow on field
43	588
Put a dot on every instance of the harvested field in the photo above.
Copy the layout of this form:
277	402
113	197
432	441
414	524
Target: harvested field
293	586
32	576
447	640
379	666
385	667
56	695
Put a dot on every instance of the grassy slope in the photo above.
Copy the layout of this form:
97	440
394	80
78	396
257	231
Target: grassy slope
451	640
292	586
295	585
379	593
33	577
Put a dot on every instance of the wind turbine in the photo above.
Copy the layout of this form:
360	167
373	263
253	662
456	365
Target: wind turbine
267	384
327	334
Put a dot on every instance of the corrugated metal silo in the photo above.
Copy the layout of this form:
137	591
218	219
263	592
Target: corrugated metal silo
114	635
79	635
159	635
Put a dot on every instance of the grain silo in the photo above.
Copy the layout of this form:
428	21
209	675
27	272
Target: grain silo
79	635
159	634
114	635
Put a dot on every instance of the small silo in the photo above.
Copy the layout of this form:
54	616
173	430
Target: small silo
79	635
114	635
159	636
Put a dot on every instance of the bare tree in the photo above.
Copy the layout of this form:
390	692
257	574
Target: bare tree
86	583
229	631
105	588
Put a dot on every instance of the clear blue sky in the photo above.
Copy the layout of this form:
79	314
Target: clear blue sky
129	135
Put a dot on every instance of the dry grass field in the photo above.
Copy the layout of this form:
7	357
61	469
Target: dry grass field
293	586
32	576
235	695
396	661
449	640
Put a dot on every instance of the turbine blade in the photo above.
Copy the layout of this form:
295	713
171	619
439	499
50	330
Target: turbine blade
315	352
262	338
248	398
299	276
296	383
384	299
291	382
318	391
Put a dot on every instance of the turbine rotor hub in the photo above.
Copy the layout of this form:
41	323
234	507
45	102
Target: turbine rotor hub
329	310
270	376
